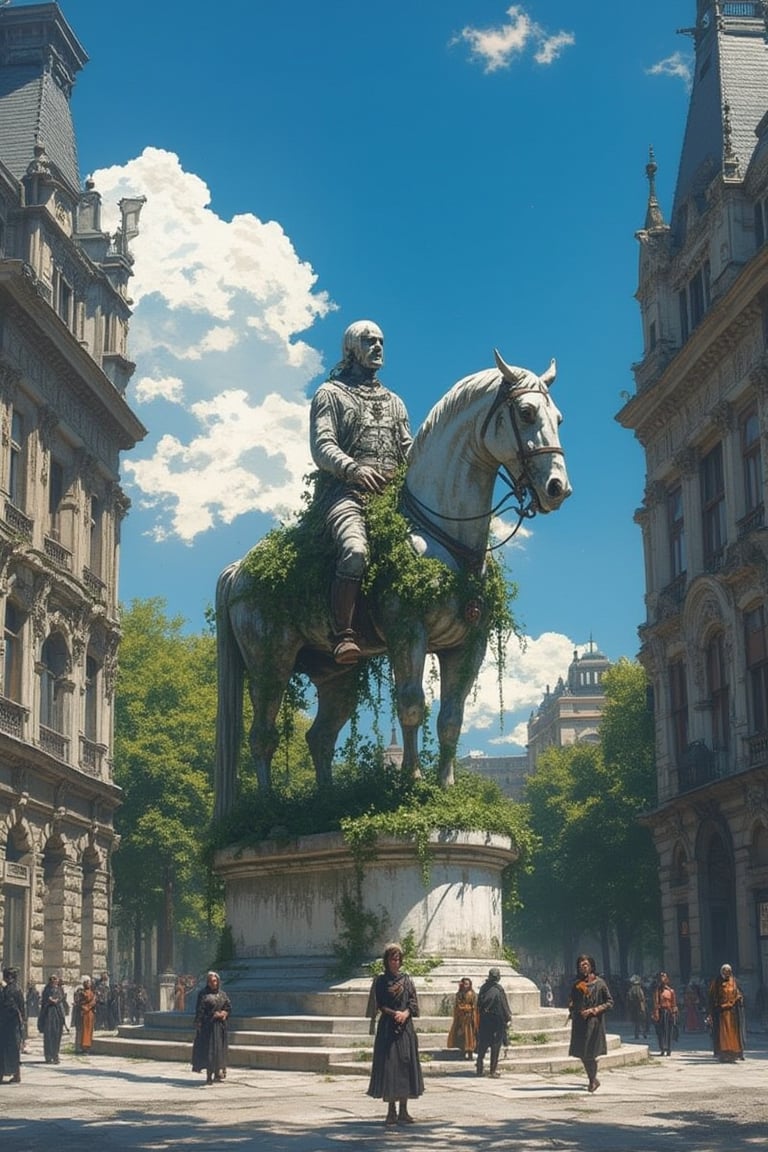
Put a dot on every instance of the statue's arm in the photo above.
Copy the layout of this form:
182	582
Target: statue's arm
404	428
324	435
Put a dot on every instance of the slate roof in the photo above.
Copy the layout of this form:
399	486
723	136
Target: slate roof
732	68
34	96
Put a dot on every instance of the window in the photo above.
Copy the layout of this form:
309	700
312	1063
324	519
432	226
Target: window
55	496
682	300
678	691
698	293
713	507
97	520
12	665
54	660
759	224
717	685
676	522
90	719
756	646
16	492
751	459
652	339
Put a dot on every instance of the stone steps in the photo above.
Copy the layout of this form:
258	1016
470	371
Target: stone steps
341	1045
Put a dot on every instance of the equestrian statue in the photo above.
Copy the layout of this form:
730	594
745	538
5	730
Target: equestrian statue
274	621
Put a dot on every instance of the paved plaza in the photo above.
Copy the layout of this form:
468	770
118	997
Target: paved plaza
685	1102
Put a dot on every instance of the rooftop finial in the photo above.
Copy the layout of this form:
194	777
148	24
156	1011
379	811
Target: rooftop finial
654	217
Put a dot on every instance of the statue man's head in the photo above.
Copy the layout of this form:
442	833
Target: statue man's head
363	344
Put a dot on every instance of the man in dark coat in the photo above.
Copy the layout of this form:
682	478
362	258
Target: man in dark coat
495	1015
12	1016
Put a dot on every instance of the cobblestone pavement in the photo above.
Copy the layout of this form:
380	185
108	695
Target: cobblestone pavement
685	1103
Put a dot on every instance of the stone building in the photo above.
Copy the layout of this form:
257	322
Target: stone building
64	420
700	411
570	714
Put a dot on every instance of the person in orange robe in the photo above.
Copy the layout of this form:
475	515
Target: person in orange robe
725	1005
83	1016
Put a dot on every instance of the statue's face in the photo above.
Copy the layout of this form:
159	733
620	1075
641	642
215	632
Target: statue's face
369	350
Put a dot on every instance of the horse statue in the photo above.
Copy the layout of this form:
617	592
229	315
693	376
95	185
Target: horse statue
501	419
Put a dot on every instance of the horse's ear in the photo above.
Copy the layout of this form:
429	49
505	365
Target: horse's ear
549	376
513	375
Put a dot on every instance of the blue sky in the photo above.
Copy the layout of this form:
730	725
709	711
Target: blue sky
467	173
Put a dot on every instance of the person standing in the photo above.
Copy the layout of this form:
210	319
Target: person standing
32	1004
589	1000
359	436
463	1033
83	1015
638	1010
396	1072
495	1015
52	1019
209	1051
11	1027
725	1015
664	1013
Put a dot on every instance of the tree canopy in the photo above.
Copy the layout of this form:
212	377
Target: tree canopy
596	870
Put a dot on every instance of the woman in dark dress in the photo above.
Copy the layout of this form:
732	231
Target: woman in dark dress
51	1021
590	999
209	1051
396	1073
11	1027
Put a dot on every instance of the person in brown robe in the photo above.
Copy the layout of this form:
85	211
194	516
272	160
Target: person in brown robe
725	1007
463	1033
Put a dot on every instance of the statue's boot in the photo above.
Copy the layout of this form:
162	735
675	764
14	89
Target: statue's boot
344	597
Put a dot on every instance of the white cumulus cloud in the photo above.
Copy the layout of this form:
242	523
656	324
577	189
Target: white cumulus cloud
677	65
497	47
530	667
219	309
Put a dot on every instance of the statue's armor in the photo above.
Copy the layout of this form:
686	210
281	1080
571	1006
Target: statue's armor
360	424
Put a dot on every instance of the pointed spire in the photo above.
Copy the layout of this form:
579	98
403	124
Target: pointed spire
654	218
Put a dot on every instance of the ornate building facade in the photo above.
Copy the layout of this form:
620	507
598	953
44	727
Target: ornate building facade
64	313
700	411
570	714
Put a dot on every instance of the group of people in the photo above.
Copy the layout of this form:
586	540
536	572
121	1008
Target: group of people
481	1021
723	1009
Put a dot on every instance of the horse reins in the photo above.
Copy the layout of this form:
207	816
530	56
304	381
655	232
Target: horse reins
521	488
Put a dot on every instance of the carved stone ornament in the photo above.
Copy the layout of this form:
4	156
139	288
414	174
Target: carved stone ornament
686	461
755	799
723	417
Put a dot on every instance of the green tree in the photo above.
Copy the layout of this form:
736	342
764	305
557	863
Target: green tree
596	871
164	732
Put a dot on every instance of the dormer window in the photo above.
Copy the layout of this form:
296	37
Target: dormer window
62	298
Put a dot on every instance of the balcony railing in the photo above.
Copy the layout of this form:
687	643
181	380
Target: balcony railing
17	521
92	757
95	586
757	749
751	522
58	553
54	743
699	764
13	717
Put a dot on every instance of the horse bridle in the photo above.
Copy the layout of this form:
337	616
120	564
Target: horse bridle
521	488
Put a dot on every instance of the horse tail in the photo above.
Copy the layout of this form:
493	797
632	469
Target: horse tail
230	673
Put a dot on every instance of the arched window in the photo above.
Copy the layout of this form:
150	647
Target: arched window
90	719
679	871
717	685
12	666
54	659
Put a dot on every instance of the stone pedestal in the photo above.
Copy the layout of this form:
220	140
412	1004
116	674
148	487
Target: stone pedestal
289	899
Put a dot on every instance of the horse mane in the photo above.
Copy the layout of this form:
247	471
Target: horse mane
456	400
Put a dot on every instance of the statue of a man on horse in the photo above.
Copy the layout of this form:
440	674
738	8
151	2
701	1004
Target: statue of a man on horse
497	422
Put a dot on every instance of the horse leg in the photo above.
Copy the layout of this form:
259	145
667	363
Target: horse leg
408	665
458	669
336	699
